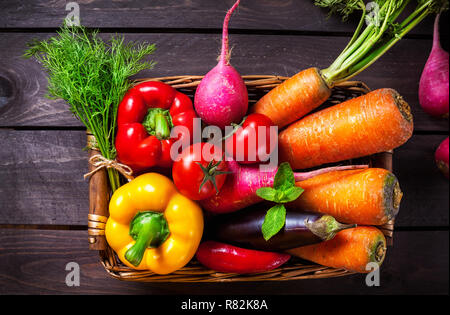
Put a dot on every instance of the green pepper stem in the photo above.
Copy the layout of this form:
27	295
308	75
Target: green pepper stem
162	129
135	253
147	228
158	122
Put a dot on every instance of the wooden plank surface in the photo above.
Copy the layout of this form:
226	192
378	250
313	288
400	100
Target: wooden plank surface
23	82
269	15
426	190
43	196
42	177
34	261
45	186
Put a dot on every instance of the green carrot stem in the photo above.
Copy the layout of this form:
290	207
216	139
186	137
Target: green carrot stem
331	71
380	51
359	28
336	67
369	45
413	15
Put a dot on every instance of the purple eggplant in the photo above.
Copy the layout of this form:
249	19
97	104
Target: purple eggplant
243	228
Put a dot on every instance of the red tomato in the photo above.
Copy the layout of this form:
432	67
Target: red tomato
250	143
200	171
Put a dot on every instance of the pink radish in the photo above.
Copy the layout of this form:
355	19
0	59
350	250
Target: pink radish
239	189
221	97
441	157
433	87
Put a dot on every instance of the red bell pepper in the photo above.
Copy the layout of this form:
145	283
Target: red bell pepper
145	118
222	257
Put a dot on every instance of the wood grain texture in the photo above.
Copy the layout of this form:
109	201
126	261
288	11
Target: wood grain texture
426	197
45	185
33	262
23	82
42	177
271	15
42	162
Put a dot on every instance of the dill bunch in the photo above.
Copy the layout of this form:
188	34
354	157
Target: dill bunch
91	75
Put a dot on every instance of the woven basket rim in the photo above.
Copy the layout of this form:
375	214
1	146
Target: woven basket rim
260	80
193	271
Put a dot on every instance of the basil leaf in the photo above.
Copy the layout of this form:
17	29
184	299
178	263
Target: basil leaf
267	193
284	178
289	194
274	221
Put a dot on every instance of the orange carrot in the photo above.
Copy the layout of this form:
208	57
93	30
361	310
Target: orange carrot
283	106
350	249
368	197
378	121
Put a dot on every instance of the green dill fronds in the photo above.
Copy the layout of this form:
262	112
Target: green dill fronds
92	76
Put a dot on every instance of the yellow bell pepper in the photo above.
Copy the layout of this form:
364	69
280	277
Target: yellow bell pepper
151	226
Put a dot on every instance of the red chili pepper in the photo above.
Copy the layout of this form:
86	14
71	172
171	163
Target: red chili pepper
145	118
222	257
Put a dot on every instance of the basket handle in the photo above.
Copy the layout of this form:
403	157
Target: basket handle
98	202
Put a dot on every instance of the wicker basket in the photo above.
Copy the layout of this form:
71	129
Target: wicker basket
294	269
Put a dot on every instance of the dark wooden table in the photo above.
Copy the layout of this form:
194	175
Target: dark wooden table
44	199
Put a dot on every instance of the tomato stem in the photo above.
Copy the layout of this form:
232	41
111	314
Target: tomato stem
210	172
235	128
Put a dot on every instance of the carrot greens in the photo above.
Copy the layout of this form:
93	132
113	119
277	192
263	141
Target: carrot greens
378	30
